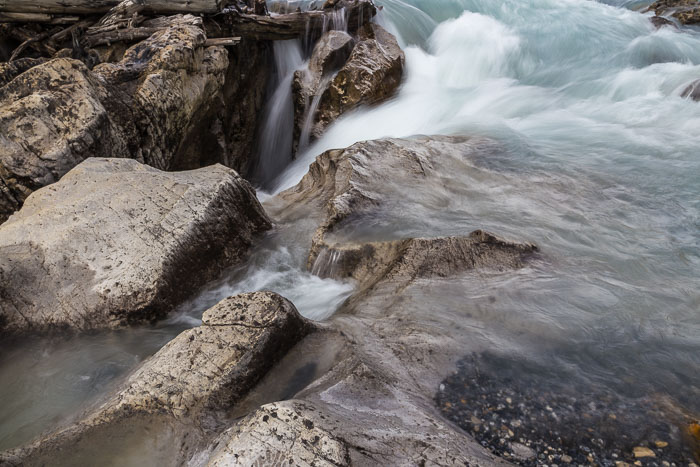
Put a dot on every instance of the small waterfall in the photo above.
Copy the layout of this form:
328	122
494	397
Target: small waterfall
275	149
327	264
309	120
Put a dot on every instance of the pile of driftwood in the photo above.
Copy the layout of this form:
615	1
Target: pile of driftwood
42	28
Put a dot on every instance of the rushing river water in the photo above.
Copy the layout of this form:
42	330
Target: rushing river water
600	167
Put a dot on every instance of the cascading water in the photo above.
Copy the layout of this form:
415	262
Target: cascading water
599	166
276	136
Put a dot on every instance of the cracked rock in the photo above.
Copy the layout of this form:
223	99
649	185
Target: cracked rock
117	242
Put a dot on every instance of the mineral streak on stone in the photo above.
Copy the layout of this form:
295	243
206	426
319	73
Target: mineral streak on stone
117	242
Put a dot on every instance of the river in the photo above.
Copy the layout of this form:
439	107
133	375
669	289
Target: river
600	166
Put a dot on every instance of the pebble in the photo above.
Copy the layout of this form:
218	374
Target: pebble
641	451
591	427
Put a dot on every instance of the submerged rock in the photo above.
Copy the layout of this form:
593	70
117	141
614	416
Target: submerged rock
685	11
371	74
117	242
201	373
170	102
371	176
692	91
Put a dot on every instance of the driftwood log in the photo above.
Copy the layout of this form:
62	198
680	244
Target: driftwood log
292	25
91	7
93	23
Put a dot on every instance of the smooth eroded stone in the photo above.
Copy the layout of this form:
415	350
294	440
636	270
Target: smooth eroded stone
118	242
407	259
189	384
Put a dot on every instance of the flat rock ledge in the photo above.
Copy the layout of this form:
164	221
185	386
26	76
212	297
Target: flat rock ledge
116	242
197	376
404	260
355	416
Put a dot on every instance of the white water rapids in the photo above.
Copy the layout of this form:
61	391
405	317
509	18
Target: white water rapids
600	167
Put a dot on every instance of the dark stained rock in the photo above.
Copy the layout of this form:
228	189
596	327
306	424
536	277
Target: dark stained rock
660	22
117	242
10	70
692	91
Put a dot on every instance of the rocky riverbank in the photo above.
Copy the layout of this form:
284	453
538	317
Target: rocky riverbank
127	134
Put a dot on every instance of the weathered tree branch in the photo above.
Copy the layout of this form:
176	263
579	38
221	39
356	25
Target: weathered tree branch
87	7
291	25
37	18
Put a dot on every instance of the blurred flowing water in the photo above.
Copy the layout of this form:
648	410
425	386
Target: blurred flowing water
599	164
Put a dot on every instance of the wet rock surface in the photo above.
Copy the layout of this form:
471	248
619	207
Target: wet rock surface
527	421
169	101
363	180
377	405
193	380
117	242
355	415
692	91
371	74
403	261
684	11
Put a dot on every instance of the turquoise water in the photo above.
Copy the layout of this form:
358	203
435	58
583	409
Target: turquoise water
600	165
598	162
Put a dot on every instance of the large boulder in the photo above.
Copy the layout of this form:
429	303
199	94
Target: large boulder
52	117
190	383
117	242
170	102
371	74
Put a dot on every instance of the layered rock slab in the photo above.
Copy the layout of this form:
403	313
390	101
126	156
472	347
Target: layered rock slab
191	381
117	242
355	416
403	261
169	101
